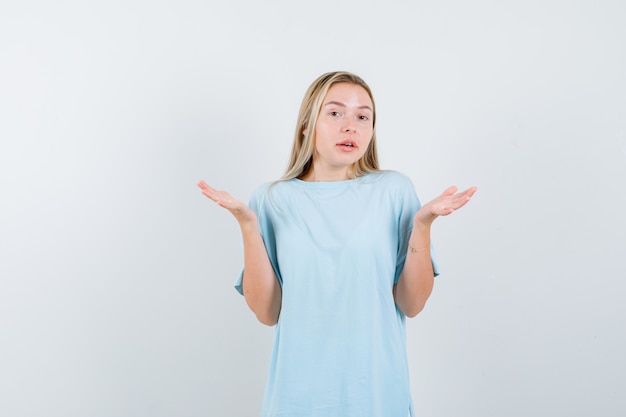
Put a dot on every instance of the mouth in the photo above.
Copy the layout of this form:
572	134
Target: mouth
347	144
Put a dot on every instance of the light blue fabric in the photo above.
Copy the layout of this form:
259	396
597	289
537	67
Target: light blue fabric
337	249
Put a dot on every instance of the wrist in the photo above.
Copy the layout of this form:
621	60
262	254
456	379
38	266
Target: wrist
424	249
248	224
424	218
422	226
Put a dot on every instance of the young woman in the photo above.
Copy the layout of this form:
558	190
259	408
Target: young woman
337	253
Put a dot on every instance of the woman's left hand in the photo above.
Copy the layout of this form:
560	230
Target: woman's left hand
447	203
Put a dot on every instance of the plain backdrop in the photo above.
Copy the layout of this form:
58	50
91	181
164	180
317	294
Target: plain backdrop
116	274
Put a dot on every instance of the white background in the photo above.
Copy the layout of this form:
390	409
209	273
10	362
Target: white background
116	274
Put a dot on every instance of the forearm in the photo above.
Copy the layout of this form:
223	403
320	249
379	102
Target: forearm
260	286
417	277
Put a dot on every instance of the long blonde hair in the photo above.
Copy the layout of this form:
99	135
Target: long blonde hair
301	158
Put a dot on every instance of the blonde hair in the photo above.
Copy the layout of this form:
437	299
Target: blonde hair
303	146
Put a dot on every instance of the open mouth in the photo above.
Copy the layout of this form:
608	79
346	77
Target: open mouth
347	144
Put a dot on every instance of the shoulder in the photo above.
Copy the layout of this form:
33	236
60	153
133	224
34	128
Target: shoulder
269	193
398	188
261	189
259	195
389	179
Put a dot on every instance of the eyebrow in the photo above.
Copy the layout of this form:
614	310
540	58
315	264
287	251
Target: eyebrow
336	103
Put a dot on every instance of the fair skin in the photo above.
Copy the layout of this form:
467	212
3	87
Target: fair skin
261	288
343	132
417	277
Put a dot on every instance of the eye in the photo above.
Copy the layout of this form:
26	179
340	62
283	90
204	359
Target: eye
334	113
363	117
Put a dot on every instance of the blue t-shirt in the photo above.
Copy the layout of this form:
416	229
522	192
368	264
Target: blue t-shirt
337	249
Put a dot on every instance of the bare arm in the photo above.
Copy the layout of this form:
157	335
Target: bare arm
260	286
416	279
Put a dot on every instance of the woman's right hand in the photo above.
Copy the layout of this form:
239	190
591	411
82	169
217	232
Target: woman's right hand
262	290
242	212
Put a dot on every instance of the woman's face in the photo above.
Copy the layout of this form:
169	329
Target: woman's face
344	128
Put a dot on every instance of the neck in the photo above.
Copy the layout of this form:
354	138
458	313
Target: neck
319	175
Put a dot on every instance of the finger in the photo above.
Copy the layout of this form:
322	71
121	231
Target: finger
211	193
443	211
205	187
462	199
468	194
464	195
450	191
470	191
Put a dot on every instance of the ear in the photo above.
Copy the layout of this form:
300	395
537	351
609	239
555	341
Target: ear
304	131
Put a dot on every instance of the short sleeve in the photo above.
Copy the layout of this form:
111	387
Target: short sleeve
408	205
258	204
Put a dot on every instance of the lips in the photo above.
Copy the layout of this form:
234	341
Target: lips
347	144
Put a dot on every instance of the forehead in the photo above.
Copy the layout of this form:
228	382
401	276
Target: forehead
348	94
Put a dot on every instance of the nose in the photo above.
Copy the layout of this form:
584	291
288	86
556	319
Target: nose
349	126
